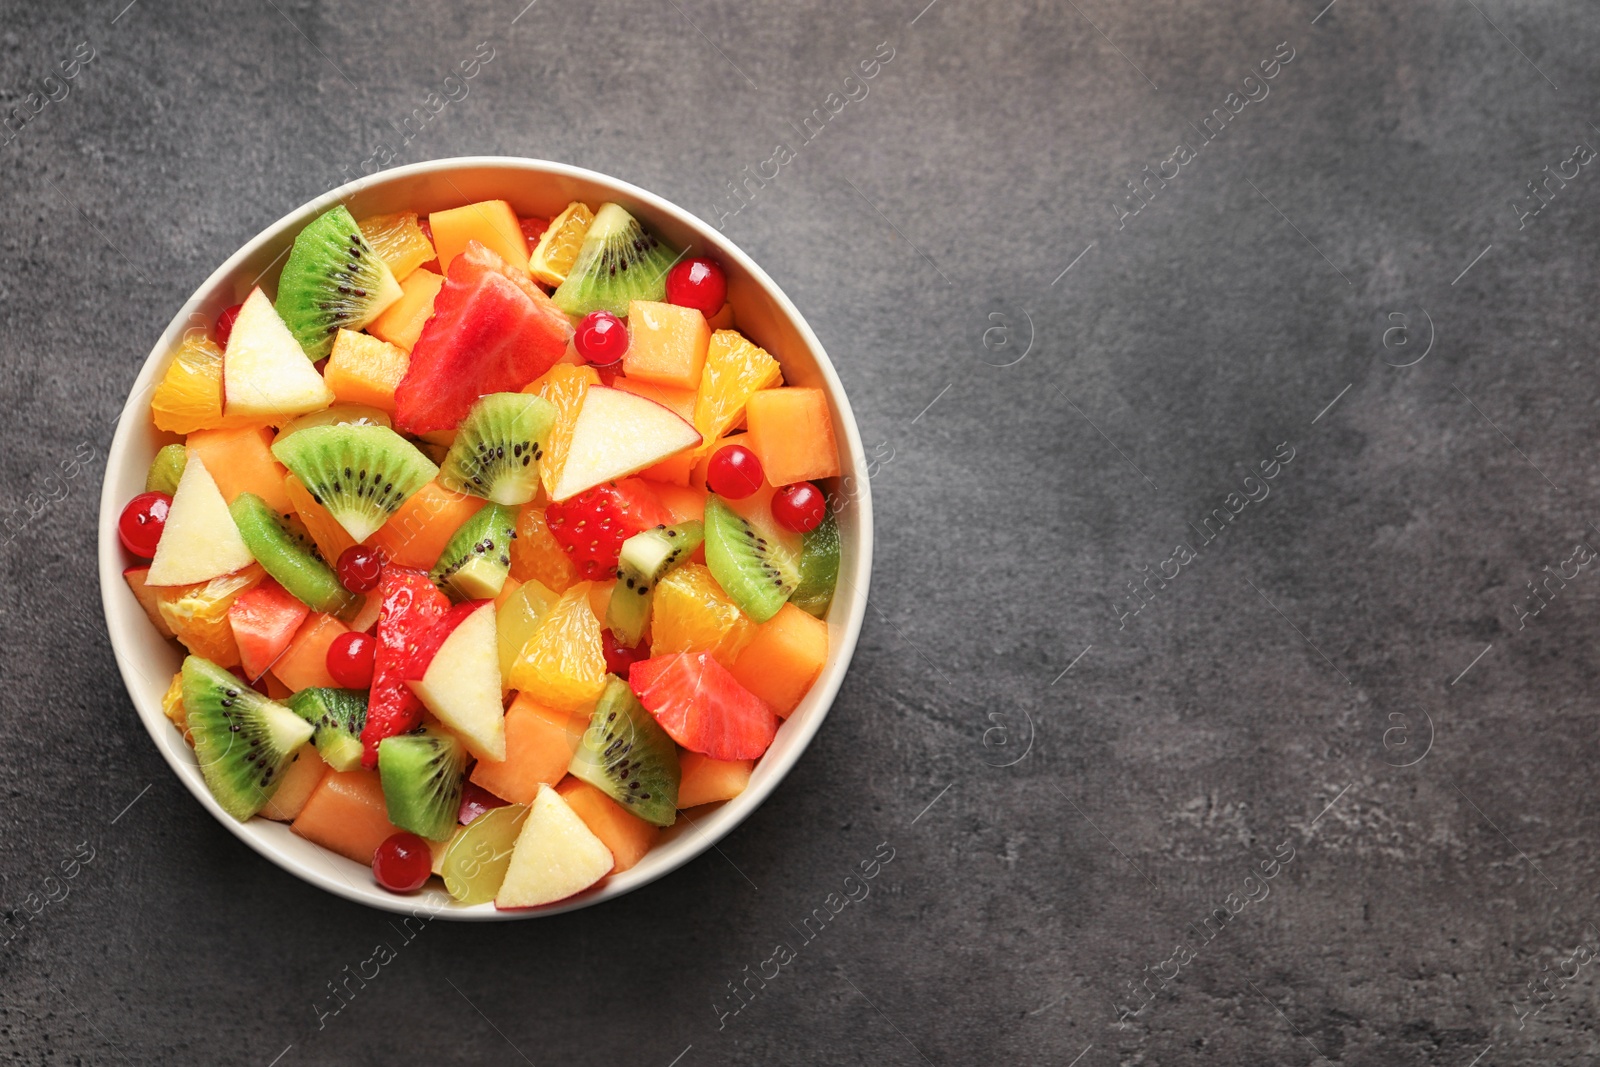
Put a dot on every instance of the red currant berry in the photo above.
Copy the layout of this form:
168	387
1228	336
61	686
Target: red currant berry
619	658
734	472
142	522
799	507
351	658
360	568
402	863
698	283
602	338
225	324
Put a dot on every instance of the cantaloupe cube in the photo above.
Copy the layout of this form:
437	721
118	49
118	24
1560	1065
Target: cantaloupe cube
416	534
346	813
365	370
706	780
295	787
791	432
240	460
666	345
305	662
624	833
540	743
682	502
783	657
329	534
492	223
273	686
402	321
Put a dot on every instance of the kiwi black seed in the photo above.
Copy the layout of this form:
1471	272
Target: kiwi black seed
477	559
619	262
361	474
242	740
333	280
336	716
645	559
422	775
628	756
498	447
759	576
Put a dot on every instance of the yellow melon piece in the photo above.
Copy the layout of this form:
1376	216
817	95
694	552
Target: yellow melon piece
791	432
295	785
783	658
240	460
666	344
346	813
706	780
620	830
540	742
365	370
492	223
415	535
402	321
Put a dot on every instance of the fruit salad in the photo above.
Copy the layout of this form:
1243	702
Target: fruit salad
493	545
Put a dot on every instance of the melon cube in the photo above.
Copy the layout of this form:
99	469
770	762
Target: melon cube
706	780
402	321
240	460
540	743
365	370
783	657
620	830
415	535
305	662
791	432
295	786
492	223
666	345
346	813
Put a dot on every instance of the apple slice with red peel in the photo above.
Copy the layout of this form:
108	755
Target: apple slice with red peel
147	597
265	372
200	541
617	434
455	672
556	855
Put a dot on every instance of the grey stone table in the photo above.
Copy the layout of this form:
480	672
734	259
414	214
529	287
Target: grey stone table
1226	693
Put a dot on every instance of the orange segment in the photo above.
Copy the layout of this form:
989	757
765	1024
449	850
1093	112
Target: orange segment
330	537
791	432
540	742
491	223
691	613
172	705
416	534
624	833
563	665
784	656
734	369
296	785
346	813
558	246
565	386
198	614
666	344
241	460
537	556
402	321
190	395
706	780
399	241
305	662
365	370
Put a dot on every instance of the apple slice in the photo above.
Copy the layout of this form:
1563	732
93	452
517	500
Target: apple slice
265	372
455	672
556	855
617	434
148	598
200	541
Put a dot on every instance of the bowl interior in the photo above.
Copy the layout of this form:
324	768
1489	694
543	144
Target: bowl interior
534	188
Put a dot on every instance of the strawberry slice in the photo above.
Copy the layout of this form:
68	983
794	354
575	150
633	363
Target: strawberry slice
703	707
412	604
492	331
592	525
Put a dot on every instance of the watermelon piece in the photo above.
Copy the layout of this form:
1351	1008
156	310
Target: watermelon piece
492	331
703	707
264	620
412	604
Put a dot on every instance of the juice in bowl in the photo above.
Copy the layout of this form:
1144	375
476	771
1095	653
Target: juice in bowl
485	537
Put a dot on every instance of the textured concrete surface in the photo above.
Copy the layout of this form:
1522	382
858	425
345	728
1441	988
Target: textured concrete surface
1347	689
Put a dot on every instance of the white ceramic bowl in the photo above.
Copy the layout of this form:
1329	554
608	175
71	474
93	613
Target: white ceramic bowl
534	188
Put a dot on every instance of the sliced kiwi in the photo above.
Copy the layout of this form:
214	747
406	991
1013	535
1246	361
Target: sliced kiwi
475	562
758	574
819	568
242	740
361	474
290	560
498	447
166	469
619	261
332	281
628	756
422	775
337	716
645	559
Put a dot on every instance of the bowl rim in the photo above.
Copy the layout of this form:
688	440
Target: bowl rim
706	832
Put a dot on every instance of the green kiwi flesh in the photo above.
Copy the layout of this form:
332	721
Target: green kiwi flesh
758	574
422	775
242	740
645	559
498	447
361	474
336	716
628	756
618	262
292	562
166	469
477	559
333	280
819	568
